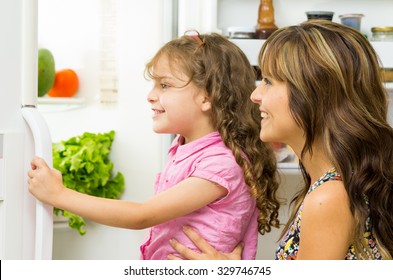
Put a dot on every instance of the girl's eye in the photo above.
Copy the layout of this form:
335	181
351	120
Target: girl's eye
164	86
266	81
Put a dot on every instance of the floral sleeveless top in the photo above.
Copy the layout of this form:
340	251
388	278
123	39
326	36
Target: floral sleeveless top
289	245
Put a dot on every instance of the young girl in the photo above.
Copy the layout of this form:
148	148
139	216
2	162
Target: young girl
219	178
322	94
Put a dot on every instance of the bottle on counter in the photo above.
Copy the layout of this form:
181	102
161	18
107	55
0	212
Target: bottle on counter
266	25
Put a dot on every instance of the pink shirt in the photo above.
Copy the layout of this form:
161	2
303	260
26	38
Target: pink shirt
224	222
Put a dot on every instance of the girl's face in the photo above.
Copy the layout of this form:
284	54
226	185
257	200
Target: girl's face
277	124
178	108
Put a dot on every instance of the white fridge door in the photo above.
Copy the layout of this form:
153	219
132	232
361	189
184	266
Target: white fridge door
43	212
26	225
36	123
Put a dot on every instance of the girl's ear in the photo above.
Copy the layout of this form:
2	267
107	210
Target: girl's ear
206	104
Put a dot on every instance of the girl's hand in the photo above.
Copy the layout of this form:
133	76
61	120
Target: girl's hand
44	183
207	251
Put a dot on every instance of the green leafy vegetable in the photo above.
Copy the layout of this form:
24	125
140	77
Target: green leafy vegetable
85	166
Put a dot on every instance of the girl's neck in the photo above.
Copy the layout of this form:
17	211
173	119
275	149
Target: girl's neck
195	136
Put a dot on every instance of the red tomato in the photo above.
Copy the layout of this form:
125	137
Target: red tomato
66	84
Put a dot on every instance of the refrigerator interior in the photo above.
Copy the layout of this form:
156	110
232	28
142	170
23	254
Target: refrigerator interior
72	30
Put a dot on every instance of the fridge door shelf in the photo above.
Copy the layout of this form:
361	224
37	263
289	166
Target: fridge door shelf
60	223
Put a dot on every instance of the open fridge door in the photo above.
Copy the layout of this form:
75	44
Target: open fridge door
36	123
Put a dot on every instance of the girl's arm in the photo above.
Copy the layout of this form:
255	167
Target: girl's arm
327	223
189	195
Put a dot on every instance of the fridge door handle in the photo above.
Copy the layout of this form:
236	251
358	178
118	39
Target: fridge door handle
44	212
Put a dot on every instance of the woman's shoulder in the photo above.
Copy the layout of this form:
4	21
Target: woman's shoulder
327	220
328	202
329	194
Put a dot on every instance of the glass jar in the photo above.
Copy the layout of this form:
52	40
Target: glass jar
383	33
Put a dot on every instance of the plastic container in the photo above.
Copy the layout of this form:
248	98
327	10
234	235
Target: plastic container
241	32
352	20
327	15
382	33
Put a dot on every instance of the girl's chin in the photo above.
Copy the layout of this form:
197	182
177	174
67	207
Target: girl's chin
264	138
160	130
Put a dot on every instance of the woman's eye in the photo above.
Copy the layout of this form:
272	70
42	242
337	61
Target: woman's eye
266	81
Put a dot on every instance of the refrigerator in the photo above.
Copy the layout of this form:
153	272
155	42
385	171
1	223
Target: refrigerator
26	225
72	30
82	35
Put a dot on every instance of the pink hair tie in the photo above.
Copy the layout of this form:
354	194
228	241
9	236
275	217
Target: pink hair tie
195	35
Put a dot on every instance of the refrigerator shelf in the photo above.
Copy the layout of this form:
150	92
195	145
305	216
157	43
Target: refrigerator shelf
47	104
389	86
61	100
288	167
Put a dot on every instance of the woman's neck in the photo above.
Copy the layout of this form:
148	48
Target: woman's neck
317	164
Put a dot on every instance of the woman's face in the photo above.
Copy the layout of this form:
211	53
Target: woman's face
277	124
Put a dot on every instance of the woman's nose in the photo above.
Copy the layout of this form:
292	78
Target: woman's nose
256	96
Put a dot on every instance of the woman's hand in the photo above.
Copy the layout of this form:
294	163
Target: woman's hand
44	183
207	251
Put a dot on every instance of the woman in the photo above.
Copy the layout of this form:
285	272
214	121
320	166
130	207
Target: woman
322	95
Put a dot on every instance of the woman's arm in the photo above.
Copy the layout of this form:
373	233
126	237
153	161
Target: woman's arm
184	198
207	251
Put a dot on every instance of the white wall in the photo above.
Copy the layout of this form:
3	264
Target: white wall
70	29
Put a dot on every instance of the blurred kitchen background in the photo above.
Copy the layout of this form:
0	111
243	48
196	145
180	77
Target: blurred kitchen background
107	43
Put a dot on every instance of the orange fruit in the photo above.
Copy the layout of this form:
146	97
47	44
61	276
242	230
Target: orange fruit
66	84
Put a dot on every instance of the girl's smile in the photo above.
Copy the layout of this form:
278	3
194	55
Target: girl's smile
157	113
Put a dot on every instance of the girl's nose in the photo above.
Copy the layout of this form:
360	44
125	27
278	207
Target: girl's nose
151	96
